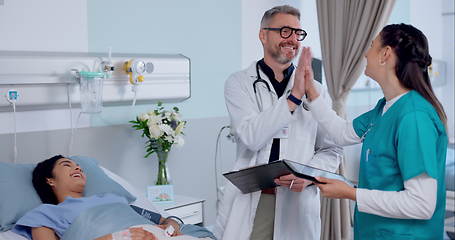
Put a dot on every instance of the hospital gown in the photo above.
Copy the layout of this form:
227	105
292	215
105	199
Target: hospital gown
60	217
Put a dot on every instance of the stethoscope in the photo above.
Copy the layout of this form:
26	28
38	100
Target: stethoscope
259	79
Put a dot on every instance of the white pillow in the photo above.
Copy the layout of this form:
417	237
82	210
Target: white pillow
141	196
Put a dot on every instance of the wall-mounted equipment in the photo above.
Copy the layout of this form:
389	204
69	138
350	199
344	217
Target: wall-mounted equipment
43	78
136	68
91	87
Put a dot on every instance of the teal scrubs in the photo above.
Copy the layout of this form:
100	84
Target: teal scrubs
405	142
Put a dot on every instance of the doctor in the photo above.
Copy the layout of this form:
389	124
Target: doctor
269	122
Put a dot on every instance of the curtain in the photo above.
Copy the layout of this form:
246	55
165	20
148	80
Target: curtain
346	29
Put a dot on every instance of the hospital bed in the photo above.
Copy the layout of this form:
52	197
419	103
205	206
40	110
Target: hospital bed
141	201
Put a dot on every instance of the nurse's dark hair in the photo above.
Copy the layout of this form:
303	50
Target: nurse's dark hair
285	9
411	48
41	173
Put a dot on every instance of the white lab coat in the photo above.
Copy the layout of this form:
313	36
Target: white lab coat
297	215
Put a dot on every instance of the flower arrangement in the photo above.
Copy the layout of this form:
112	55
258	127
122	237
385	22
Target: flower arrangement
163	128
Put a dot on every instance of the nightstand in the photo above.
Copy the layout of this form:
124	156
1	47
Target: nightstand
189	209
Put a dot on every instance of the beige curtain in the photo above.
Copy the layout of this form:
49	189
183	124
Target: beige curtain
346	29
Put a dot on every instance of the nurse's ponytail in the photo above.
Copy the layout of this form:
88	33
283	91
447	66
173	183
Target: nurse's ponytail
411	48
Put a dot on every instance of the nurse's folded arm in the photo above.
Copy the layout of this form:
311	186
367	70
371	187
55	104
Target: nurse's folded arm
416	201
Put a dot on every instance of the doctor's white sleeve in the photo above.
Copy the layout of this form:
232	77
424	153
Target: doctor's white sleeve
253	128
416	201
340	130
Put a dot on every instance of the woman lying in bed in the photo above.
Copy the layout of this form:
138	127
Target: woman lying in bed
67	214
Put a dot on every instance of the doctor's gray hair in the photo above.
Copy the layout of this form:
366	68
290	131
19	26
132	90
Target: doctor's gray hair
285	9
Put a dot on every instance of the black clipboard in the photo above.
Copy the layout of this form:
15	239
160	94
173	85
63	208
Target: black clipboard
261	177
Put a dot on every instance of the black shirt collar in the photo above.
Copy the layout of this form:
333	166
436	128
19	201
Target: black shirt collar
278	86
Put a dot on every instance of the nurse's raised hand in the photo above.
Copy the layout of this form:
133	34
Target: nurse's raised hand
306	58
298	89
332	188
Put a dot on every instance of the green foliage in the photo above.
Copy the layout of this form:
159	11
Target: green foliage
163	129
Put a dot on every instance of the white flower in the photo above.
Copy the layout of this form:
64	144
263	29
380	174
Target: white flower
167	129
143	117
155	131
179	141
179	128
169	139
164	127
176	117
154	120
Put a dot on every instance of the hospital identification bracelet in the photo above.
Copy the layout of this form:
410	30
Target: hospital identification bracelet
177	219
295	100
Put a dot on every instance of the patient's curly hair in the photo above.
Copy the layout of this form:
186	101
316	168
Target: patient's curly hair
41	173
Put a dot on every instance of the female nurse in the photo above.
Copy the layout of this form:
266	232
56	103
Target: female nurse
401	189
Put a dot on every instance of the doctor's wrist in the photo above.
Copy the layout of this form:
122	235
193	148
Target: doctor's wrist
297	94
297	101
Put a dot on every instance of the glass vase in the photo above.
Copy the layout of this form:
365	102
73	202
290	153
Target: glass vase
163	177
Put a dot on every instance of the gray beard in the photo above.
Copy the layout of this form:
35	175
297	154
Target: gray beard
280	58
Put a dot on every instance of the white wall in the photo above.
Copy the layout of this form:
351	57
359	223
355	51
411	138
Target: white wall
44	25
448	43
436	20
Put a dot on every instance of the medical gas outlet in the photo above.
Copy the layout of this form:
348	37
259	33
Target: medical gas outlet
136	69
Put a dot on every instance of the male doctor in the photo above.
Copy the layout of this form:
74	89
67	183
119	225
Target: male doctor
270	123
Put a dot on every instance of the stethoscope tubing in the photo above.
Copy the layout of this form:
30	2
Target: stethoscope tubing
259	79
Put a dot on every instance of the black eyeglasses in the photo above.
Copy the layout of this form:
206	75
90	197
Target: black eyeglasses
286	32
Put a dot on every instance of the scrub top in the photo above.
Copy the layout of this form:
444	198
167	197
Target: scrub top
405	142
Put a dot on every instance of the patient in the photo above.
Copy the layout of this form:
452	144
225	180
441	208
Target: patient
60	183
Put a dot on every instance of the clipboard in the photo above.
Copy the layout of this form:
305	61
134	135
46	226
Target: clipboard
261	177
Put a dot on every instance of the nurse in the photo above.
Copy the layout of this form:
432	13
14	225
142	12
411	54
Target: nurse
401	189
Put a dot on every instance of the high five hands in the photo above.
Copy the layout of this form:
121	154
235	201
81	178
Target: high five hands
303	82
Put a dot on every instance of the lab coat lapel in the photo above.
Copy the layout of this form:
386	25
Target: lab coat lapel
253	76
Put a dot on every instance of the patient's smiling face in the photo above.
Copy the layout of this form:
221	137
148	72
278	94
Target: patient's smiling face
68	176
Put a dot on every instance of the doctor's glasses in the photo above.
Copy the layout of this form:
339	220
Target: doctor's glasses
286	32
